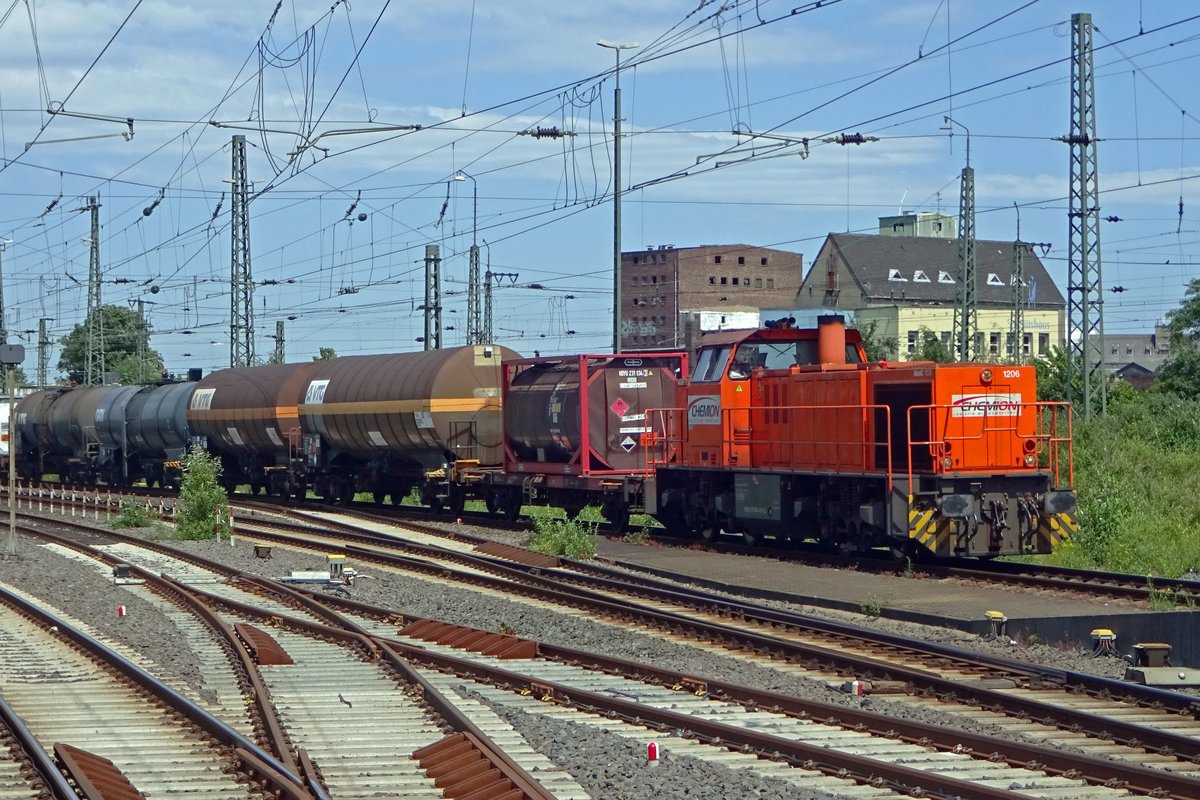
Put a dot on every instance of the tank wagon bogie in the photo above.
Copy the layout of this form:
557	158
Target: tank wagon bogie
793	434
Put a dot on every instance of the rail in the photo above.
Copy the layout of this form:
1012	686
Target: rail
1044	428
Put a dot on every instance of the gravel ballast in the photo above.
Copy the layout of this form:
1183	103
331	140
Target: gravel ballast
600	764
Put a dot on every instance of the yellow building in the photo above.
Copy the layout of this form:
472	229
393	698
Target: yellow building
906	283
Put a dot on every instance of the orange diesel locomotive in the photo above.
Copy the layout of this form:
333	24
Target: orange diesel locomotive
793	434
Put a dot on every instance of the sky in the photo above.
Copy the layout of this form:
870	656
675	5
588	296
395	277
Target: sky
357	116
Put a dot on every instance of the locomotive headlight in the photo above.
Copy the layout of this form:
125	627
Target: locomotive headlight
1030	459
985	376
947	463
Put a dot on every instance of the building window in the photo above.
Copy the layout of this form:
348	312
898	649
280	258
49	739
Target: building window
712	280
1147	352
1114	349
654	279
724	280
741	259
946	338
912	342
994	344
716	259
635	259
763	261
746	281
1026	343
1128	349
1043	343
770	283
735	281
758	285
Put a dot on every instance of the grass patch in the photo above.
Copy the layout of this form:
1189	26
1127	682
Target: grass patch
133	515
1137	472
563	537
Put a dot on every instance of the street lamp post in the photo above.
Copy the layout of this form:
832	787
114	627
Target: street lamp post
474	326
617	48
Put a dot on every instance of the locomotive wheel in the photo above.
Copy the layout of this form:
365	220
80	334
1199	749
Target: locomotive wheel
751	538
710	531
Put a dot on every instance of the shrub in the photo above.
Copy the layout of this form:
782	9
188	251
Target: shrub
563	537
203	502
1137	472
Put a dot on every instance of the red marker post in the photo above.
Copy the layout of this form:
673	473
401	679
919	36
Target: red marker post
652	754
121	612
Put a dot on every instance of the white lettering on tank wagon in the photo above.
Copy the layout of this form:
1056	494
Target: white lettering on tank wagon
316	392
202	399
424	419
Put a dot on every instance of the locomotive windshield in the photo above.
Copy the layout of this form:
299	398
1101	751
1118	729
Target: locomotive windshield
710	363
779	355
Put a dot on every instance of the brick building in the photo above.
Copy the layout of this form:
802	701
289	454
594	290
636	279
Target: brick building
670	294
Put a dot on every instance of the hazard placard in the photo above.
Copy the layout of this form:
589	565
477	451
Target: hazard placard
628	443
619	407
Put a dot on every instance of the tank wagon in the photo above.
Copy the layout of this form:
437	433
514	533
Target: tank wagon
111	434
792	433
572	434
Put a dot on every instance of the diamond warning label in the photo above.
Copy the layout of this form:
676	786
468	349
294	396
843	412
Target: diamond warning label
619	407
628	443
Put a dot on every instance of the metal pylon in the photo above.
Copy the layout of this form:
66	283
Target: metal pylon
241	305
1085	301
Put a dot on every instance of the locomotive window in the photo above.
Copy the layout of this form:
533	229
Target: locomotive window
710	363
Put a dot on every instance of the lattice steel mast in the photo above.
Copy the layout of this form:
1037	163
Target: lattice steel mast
966	309
241	305
94	365
1085	301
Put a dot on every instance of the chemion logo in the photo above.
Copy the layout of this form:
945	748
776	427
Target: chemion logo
704	409
992	405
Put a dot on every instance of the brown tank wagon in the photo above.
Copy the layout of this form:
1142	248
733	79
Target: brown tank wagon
249	416
384	423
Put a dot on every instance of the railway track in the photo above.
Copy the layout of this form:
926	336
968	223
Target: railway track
110	722
947	765
1124	587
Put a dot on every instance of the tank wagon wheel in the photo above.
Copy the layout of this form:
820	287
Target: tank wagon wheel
457	501
709	531
572	512
505	503
751	538
617	515
377	496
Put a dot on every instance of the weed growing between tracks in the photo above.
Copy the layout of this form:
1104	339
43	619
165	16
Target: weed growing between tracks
572	538
133	515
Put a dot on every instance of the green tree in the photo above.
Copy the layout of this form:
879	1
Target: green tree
203	502
127	348
877	347
932	348
325	354
1181	374
1058	379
